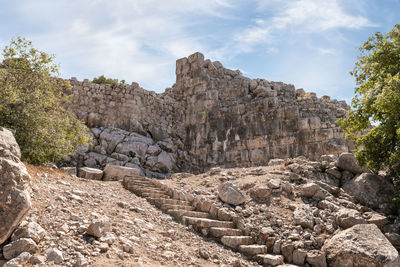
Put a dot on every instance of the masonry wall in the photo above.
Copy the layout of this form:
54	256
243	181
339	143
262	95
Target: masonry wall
221	117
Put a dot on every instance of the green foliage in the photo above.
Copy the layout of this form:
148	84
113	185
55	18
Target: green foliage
103	80
32	100
374	122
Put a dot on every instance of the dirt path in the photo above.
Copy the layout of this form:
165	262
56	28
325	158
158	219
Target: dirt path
144	236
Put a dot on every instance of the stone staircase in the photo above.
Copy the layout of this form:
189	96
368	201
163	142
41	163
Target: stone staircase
183	208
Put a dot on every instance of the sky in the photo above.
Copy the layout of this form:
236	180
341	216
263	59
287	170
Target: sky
312	44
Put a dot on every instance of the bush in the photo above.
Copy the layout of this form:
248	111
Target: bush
374	122
103	80
32	100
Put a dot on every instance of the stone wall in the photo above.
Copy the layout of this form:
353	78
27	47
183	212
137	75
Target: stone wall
231	120
218	117
127	107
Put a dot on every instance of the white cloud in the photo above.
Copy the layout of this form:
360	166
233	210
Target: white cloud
298	17
133	40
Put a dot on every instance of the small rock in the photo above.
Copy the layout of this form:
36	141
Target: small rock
204	253
230	194
54	255
316	258
303	216
274	183
38	259
99	227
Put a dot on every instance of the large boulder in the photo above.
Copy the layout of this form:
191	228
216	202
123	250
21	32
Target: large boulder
14	198
117	173
371	190
359	246
347	162
230	194
7	142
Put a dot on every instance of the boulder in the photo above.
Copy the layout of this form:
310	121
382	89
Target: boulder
371	190
14	198
347	218
30	230
275	162
16	247
348	162
316	258
54	255
274	183
310	189
8	142
260	193
94	120
303	216
99	227
132	149
21	260
164	161
70	170
90	173
230	194
359	246
117	173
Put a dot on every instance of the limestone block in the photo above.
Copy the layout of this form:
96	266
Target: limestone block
117	173
90	173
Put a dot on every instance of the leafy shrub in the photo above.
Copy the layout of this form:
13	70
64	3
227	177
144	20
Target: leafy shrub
32	100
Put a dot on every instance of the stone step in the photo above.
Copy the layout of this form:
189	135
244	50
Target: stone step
252	250
270	260
151	190
206	223
220	232
155	195
180	213
235	241
173	202
138	191
167	207
142	184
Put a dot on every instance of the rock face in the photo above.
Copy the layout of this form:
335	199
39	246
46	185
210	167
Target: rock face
230	194
359	246
14	198
212	116
371	190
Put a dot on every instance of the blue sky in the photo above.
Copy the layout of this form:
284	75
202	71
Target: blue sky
312	44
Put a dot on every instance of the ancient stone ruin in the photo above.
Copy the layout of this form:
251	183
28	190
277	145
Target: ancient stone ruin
291	202
212	116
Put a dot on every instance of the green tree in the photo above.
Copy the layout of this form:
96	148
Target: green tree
374	122
103	80
32	103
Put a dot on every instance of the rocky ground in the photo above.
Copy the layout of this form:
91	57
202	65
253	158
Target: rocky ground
329	212
140	235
